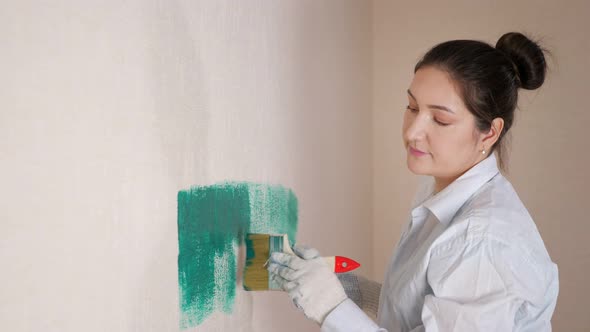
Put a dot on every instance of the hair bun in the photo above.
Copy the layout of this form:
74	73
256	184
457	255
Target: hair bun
527	57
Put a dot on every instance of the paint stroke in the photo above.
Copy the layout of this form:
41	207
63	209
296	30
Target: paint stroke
212	223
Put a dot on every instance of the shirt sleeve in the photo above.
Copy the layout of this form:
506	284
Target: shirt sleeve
478	284
347	316
362	291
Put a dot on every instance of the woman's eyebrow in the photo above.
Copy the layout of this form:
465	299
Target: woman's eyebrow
438	107
443	108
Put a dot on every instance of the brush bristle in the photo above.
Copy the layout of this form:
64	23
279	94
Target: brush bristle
258	250
257	253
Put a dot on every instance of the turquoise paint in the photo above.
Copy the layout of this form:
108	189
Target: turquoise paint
212	223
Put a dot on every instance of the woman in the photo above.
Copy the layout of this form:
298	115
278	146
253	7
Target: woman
471	258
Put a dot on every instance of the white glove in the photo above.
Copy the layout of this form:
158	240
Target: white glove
311	283
305	252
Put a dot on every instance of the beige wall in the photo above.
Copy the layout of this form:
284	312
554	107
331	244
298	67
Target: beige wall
108	108
549	161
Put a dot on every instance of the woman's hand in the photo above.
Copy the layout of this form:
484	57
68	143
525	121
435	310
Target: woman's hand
310	282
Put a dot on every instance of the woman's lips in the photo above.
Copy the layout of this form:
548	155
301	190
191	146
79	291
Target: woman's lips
416	152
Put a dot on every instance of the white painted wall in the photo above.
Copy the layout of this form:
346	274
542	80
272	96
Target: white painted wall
107	109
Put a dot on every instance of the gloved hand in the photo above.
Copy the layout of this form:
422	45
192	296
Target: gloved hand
305	252
310	282
349	281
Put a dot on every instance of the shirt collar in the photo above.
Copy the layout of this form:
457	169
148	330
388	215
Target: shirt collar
445	204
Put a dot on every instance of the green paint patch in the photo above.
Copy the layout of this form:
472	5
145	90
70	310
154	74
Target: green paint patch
212	223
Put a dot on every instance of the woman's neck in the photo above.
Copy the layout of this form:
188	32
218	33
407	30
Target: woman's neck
442	183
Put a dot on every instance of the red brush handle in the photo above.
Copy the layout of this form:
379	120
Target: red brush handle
345	264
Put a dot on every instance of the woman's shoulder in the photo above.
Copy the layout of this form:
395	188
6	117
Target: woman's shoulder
497	206
494	216
523	264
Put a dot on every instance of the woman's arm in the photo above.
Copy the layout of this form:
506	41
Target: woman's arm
362	291
316	290
483	283
347	317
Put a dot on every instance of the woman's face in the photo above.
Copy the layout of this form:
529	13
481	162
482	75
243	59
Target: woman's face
439	132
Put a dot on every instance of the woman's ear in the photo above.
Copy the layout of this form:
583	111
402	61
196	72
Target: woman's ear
491	137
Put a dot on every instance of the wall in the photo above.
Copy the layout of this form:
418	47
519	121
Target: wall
549	164
108	109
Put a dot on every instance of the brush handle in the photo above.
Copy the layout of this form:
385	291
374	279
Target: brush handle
340	264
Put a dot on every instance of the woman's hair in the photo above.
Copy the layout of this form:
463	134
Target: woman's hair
488	78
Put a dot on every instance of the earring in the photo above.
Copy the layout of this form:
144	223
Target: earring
483	151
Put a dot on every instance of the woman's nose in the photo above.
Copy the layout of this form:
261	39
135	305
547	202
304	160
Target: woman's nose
417	127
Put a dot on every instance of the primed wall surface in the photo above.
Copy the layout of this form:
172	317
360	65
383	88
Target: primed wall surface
108	109
549	163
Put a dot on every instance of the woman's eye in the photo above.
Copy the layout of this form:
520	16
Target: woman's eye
441	123
411	109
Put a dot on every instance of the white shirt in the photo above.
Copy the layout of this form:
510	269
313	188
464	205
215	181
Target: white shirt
471	259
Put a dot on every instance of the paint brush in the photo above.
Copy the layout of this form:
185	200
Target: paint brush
259	247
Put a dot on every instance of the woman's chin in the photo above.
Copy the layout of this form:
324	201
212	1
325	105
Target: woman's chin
416	166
